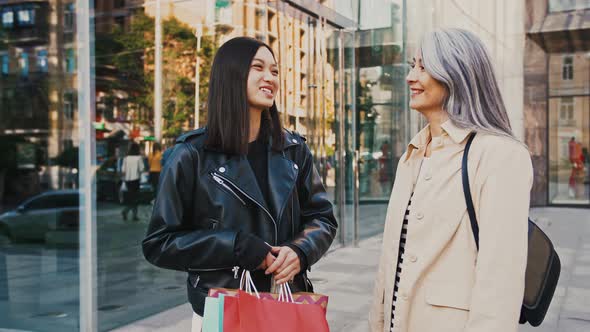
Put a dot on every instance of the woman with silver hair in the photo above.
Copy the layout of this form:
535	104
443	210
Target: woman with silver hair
432	276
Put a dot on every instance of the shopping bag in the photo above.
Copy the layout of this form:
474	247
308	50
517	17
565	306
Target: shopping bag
310	304
213	315
231	314
299	297
263	315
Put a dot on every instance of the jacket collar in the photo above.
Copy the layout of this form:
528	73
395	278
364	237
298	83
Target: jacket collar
282	175
292	138
423	137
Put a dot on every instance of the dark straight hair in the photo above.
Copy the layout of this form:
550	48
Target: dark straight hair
134	150
228	120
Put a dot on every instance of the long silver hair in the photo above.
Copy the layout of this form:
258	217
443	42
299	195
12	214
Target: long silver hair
460	61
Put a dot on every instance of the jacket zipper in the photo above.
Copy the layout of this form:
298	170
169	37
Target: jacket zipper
222	183
235	270
212	270
253	200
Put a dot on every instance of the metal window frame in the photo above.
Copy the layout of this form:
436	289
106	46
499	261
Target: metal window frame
86	104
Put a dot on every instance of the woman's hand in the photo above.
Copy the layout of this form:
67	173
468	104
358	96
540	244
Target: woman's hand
268	260
286	265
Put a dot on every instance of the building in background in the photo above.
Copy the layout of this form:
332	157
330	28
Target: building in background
38	121
557	100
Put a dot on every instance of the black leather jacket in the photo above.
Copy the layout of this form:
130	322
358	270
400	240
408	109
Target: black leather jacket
205	197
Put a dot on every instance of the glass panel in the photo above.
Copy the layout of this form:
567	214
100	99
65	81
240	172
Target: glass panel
346	166
39	199
127	285
568	155
382	111
569	126
565	5
312	86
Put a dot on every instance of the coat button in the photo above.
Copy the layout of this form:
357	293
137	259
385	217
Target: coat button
413	258
428	177
420	215
404	296
221	169
295	166
294	141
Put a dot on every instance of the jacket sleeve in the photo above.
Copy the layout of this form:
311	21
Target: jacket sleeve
317	215
172	239
502	217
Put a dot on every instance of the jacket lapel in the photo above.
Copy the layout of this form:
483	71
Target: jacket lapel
237	170
284	177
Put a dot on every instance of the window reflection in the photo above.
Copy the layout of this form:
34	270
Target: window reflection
39	199
566	5
569	128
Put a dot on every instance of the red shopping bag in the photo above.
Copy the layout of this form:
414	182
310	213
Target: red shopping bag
231	314
264	315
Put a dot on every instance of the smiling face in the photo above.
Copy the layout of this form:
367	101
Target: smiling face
427	94
263	80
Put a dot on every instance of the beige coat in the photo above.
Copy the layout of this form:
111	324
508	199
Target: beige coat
446	285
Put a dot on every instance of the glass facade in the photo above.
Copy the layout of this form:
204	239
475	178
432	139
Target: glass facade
569	128
39	199
81	81
568	5
557	101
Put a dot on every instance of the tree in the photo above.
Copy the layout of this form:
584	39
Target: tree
131	55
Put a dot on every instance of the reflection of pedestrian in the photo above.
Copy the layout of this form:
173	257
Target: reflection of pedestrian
155	165
576	158
133	165
385	168
586	172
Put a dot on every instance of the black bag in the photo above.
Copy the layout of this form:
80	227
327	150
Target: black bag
543	265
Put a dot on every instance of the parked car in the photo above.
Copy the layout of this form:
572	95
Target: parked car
50	211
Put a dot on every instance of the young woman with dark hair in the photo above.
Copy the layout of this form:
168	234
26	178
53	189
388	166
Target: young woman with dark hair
242	193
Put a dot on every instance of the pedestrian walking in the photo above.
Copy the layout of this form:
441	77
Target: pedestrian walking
154	161
132	166
242	193
431	275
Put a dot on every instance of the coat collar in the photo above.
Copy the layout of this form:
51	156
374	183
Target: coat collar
457	134
423	137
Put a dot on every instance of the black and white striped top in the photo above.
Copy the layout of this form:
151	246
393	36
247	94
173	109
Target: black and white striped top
402	241
400	259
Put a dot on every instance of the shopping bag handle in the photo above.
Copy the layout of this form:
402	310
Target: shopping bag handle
247	284
285	294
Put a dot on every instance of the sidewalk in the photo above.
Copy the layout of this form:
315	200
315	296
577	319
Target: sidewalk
347	276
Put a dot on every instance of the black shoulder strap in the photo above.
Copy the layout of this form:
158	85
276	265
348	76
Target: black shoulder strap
467	192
